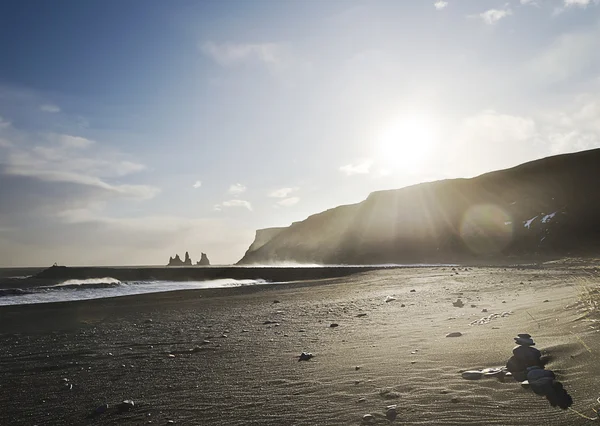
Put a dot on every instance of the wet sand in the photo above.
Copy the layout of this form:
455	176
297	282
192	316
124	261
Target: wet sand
143	348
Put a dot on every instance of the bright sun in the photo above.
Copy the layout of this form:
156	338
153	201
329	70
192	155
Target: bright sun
405	143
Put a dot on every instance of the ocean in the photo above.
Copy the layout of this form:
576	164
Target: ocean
98	288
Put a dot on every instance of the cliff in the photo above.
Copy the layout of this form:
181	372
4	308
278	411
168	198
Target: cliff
544	208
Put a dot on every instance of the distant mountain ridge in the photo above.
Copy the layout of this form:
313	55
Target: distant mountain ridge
547	207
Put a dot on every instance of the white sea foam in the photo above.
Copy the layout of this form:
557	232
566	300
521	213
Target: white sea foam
89	281
72	290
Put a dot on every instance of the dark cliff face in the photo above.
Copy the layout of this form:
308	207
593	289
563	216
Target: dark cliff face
548	207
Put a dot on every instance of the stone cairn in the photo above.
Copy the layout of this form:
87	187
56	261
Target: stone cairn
526	366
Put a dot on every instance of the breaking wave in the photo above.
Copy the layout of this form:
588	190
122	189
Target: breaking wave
99	288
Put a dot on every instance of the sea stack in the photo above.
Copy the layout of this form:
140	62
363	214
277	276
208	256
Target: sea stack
203	260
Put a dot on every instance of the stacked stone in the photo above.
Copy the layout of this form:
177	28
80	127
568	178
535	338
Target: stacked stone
524	356
526	366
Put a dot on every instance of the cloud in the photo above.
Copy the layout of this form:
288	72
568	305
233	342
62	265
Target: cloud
50	108
492	16
73	141
490	140
282	192
233	54
287	202
236	188
72	159
570	56
362	167
439	5
237	203
197	184
580	3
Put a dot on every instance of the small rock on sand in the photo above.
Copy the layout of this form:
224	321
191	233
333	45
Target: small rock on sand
368	418
363	399
389	299
458	304
391	413
454	334
361	315
413	291
305	356
128	404
333	325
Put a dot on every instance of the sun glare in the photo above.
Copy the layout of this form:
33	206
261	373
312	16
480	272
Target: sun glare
406	143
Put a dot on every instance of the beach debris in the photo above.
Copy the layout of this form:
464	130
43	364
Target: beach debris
491	317
391	413
486	373
333	325
305	356
458	304
361	315
472	374
390	299
368	418
170	356
454	334
126	405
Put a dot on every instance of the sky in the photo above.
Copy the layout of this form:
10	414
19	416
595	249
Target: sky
134	130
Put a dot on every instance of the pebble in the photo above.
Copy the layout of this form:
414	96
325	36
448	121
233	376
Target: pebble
367	418
454	334
357	367
333	325
472	375
458	304
484	310
305	356
363	399
361	315
413	291
128	404
389	299
391	413
269	322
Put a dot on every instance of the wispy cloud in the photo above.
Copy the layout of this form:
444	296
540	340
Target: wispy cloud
439	5
287	202
492	16
50	108
4	123
237	203
72	159
361	168
197	184
233	54
282	192
580	3
237	188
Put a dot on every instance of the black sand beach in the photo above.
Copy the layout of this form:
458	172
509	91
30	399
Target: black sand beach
229	356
